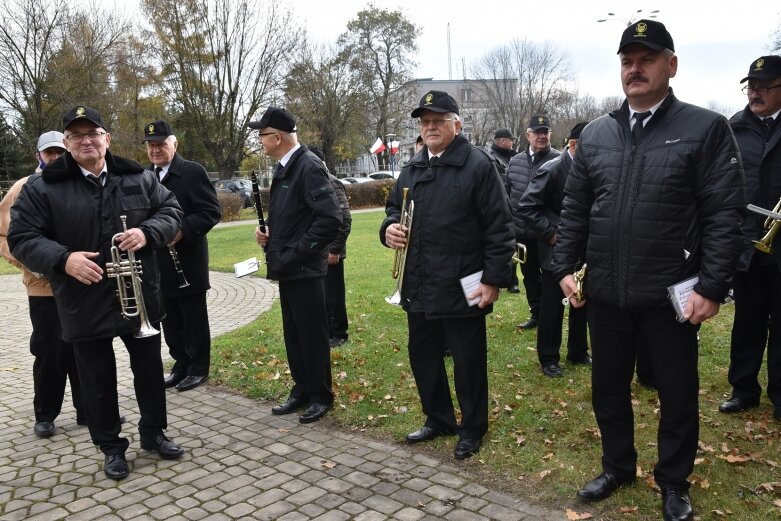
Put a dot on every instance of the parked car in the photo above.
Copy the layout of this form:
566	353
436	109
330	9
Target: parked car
384	174
348	180
242	187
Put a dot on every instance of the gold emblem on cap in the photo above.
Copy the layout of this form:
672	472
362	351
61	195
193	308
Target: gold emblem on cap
151	129
540	120
80	112
759	64
429	99
641	28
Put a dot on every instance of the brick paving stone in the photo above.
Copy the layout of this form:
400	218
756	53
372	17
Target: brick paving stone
240	461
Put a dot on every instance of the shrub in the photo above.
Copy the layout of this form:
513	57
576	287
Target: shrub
231	205
369	195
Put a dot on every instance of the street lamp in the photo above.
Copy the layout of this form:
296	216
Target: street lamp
632	19
389	140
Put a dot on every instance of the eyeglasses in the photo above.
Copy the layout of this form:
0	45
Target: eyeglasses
79	138
759	90
436	122
267	133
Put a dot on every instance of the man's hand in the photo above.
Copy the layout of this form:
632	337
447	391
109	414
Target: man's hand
333	259
132	240
699	309
260	237
176	239
80	267
488	295
396	235
570	288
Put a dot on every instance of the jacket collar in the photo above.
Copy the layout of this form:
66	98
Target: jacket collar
66	168
280	170
175	168
622	113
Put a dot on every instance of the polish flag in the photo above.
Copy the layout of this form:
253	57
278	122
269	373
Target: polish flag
378	147
394	146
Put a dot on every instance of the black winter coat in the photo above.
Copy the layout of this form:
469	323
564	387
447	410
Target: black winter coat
304	218
653	214
61	211
195	193
762	165
339	246
461	224
519	172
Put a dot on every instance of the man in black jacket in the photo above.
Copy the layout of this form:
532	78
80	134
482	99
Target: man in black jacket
62	226
656	196
540	207
523	166
304	218
184	268
461	227
757	283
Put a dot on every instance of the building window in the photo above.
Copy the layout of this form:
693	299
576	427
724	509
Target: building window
467	95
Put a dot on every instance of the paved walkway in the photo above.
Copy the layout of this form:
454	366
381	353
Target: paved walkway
241	462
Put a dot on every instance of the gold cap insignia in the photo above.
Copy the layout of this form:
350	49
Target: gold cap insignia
151	129
540	120
641	28
759	64
80	112
429	99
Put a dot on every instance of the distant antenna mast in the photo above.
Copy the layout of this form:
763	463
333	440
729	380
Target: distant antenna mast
463	66
449	61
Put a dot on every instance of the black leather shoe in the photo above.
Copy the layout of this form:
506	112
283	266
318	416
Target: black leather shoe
425	434
602	487
513	289
581	360
191	382
529	324
553	371
676	505
173	379
115	466
467	447
290	405
735	404
43	429
314	412
163	446
337	341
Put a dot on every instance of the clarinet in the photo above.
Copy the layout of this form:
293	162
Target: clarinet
258	204
178	266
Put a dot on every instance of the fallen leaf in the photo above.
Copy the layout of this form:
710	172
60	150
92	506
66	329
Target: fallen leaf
545	473
329	464
283	430
627	510
574	516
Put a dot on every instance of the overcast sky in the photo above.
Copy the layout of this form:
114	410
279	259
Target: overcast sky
715	41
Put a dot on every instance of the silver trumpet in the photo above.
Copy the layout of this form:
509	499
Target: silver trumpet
178	266
400	259
520	254
127	270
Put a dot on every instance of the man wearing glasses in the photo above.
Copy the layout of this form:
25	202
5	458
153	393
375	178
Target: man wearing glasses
757	284
461	227
62	226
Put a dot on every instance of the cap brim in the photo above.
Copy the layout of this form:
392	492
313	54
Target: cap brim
157	139
84	118
256	125
766	77
651	45
51	144
418	111
538	127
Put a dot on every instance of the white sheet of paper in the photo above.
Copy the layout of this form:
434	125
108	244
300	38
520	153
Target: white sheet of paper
679	295
469	284
246	267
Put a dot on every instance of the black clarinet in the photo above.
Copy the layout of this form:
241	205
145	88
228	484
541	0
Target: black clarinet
258	204
178	266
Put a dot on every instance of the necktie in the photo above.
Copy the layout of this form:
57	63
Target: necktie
769	124
637	130
97	180
158	172
433	161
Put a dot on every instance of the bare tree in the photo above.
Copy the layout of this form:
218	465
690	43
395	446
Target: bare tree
222	61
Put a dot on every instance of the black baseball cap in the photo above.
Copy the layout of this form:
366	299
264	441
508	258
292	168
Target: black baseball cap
764	68
539	122
157	131
277	118
576	130
82	112
650	33
503	132
436	101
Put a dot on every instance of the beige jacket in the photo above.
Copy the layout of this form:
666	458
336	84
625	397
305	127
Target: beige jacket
36	286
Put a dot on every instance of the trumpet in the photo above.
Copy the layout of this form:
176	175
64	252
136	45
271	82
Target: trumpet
772	226
400	259
127	270
519	257
178	267
579	293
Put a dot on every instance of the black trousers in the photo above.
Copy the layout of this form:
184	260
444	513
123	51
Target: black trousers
672	347
53	363
305	326
186	330
550	323
335	302
532	276
757	325
98	371
465	337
